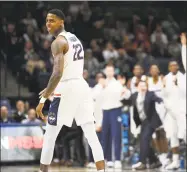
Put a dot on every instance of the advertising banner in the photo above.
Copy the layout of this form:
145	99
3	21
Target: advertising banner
21	142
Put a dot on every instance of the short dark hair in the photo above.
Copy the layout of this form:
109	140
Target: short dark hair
58	13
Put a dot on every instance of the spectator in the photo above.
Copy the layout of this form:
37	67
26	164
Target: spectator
90	81
5	102
20	112
174	48
31	118
91	63
96	50
142	42
29	52
30	66
98	32
159	41
84	24
144	59
42	75
44	53
27	106
29	20
4	115
45	35
124	62
31	35
110	52
33	70
14	43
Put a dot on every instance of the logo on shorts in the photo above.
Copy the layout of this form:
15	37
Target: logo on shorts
51	117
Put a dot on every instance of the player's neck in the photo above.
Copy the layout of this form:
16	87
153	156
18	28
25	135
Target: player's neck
174	73
155	79
59	31
155	76
139	77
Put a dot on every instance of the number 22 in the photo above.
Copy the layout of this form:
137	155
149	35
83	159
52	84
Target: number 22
78	50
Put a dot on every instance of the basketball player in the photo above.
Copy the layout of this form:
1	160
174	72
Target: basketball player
174	102
133	87
155	84
133	82
183	41
111	125
72	95
183	84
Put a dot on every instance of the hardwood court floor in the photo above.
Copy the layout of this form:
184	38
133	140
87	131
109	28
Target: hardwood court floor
60	169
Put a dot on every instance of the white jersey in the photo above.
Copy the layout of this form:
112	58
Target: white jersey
173	93
155	87
73	59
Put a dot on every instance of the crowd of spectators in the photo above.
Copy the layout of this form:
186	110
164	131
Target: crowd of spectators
107	38
22	114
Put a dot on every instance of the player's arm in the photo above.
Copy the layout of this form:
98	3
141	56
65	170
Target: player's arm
58	48
183	42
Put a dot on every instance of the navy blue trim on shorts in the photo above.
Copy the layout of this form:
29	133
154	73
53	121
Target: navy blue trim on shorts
53	111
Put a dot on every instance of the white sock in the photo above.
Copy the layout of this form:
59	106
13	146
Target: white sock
101	170
175	157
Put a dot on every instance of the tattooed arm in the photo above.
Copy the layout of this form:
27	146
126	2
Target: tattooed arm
59	47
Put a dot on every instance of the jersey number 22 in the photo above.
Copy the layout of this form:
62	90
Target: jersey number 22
78	50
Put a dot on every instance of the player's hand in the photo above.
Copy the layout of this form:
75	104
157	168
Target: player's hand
98	129
39	109
183	39
42	92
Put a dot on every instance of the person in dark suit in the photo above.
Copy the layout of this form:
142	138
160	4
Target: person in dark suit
145	114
